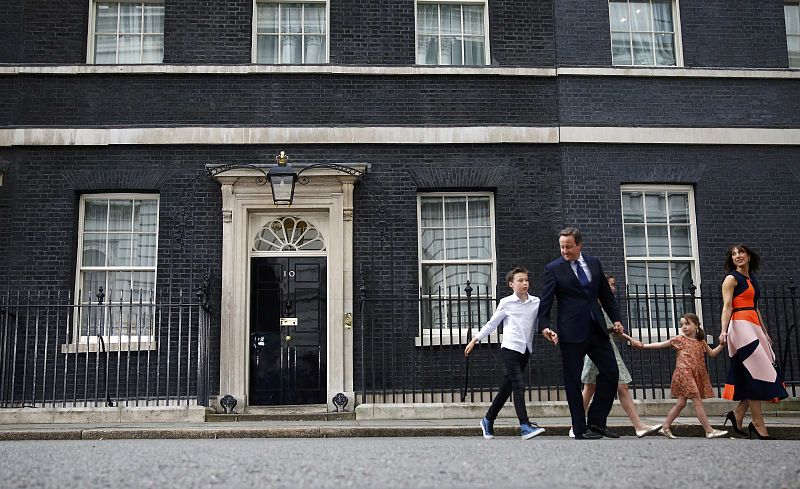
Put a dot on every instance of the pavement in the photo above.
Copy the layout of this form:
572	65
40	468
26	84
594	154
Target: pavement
781	425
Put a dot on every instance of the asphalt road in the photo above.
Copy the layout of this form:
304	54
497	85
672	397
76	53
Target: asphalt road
437	462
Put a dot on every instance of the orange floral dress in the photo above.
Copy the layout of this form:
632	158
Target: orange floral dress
690	378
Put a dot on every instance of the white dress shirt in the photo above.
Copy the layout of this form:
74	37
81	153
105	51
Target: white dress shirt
583	265
519	319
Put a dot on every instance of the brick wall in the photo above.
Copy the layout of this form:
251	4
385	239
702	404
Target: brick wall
583	36
708	102
53	31
217	32
271	100
733	33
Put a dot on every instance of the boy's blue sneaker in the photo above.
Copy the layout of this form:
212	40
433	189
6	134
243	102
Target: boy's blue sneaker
529	430
488	428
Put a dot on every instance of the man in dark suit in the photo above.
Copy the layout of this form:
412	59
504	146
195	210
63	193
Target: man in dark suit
579	284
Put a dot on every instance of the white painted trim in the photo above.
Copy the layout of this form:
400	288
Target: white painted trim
650	71
254	69
276	135
397	135
680	135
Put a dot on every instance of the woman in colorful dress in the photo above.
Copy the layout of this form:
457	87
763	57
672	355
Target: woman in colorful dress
752	376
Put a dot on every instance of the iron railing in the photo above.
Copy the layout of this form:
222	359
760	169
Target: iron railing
411	349
132	351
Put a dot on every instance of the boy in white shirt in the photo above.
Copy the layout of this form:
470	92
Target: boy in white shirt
518	313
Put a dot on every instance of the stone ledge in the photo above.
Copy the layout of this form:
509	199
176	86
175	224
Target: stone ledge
93	415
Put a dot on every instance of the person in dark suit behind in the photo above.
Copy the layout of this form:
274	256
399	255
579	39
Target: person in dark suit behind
579	284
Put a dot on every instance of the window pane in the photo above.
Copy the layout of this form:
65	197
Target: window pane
144	250
681	245
432	212
640	17
657	241
662	16
642	49
95	215
635	241
793	45
153	49
428	19
144	283
129	49
428	50
681	276
119	250
315	49
656	206
432	244
658	277
451	51
451	19
120	215
105	50
665	50
474	51
479	211
153	18
621	48
92	281
618	15
432	279
455	212
456	277
106	18
473	20
480	243
480	277
94	250
291	50
314	19
456	243
267	49
637	278
119	284
633	207
267	18
678	208
792	16
291	18
144	215
130	18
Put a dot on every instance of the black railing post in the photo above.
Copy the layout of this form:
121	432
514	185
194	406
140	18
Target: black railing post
468	293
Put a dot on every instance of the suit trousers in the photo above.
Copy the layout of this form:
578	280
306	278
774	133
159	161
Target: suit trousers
514	381
598	348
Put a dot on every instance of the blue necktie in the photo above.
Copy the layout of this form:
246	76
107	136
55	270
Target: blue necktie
582	278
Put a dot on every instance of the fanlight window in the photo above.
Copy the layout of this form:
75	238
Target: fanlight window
289	234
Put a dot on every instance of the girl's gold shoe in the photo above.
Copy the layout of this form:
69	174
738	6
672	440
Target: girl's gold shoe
666	432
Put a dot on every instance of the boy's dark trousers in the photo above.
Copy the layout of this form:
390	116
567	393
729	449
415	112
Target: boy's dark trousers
514	381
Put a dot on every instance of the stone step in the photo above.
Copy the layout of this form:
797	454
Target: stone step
278	416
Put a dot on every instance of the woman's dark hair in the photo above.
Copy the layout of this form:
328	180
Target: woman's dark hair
754	258
692	318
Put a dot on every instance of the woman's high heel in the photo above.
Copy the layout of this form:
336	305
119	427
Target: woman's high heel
731	416
751	428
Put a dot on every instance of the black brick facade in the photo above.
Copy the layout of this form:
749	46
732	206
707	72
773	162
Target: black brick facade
208	32
583	36
733	33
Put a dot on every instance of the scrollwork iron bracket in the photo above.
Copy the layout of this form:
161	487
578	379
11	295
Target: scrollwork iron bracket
328	166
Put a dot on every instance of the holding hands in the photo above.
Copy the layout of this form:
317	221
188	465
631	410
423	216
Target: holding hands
550	335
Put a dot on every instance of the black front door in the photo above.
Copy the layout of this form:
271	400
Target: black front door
288	307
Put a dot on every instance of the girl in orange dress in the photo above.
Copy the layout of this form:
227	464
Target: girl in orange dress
752	376
690	379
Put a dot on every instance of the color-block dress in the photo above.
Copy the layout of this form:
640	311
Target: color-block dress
752	373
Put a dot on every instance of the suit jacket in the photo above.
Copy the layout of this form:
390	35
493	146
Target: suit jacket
575	306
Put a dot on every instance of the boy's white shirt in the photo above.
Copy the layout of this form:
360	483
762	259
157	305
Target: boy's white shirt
519	319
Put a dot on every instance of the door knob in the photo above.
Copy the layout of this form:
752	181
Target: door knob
288	338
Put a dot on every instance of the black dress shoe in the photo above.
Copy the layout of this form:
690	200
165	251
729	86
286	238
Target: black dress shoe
603	431
589	434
